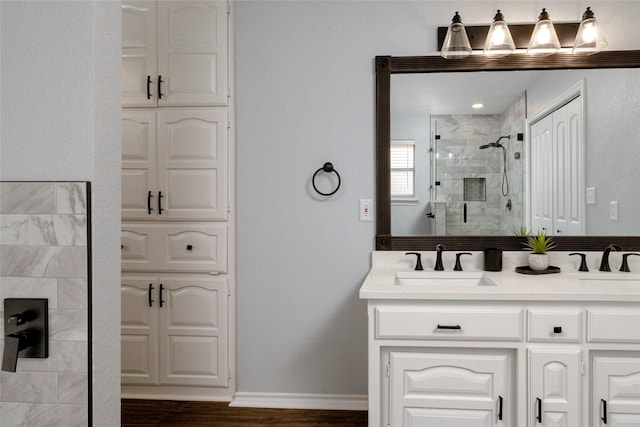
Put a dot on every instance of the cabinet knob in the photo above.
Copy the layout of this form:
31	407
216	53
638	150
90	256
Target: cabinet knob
189	247
557	329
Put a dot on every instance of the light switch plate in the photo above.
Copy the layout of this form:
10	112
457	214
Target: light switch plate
614	210
591	196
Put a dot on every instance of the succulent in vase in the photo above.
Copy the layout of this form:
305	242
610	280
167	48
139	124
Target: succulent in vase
539	245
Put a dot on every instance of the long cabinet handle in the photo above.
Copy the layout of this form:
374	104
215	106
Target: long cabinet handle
150	295
160	196
160	81
603	410
149	196
500	408
148	87
455	327
539	406
161	300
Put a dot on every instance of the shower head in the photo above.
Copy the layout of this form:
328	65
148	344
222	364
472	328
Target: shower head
495	144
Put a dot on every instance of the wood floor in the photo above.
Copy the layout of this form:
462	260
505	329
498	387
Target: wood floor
145	413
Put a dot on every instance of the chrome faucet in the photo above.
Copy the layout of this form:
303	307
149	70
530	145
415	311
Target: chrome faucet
604	264
439	250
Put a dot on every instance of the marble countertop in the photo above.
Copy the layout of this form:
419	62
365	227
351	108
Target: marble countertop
508	285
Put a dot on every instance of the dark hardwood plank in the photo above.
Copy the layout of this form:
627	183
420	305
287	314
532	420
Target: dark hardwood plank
165	413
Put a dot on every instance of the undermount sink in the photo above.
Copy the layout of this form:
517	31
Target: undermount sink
446	278
610	279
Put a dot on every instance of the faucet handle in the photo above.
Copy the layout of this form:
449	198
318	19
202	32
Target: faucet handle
458	266
418	260
583	261
625	264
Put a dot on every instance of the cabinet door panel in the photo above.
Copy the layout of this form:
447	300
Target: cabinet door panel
428	386
139	135
554	383
419	417
192	162
192	52
194	341
139	333
139	50
616	381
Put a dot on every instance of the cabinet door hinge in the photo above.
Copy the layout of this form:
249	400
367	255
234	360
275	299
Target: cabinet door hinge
582	370
228	374
228	290
228	8
228	207
388	373
214	273
228	120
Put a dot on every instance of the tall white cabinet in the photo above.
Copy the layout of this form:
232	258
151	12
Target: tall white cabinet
178	233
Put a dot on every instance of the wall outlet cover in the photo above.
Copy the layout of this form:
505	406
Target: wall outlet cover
366	209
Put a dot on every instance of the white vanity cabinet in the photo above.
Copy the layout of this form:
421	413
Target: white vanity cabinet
174	53
521	362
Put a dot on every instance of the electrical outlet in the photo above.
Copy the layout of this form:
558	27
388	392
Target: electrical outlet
366	212
591	196
613	211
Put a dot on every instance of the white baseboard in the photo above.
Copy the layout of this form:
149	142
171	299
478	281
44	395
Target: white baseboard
349	402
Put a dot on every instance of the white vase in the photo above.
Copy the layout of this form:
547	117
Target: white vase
538	262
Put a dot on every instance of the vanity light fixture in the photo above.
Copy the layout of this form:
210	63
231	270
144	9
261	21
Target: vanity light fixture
544	40
540	39
456	43
499	41
589	39
477	105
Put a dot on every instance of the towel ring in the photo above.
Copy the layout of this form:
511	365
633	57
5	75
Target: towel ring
328	168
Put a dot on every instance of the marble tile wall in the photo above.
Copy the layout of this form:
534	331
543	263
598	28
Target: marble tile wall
459	157
43	254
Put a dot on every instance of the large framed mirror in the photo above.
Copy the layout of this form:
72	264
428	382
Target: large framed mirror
409	87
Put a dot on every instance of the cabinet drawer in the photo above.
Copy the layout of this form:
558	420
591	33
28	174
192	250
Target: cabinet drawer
554	326
191	247
448	324
613	325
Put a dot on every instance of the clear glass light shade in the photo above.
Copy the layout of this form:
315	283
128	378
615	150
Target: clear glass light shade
544	40
456	43
499	41
589	39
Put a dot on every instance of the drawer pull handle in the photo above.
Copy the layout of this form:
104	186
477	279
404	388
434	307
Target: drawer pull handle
557	329
603	410
161	300
539	405
500	408
160	81
189	247
455	327
150	293
149	196
148	87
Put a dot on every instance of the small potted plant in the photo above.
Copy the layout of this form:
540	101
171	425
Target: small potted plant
539	245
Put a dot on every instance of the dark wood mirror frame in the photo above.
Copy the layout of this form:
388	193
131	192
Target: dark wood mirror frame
387	65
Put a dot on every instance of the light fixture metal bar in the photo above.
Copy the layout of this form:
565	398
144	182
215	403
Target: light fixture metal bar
521	34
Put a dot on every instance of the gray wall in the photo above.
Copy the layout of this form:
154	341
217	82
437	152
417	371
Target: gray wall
60	115
305	86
